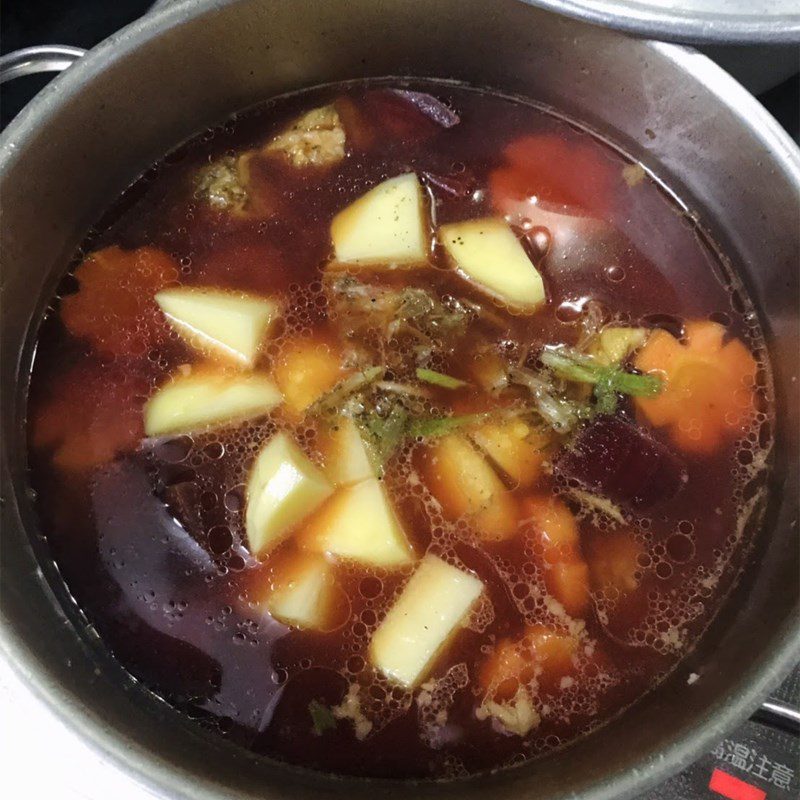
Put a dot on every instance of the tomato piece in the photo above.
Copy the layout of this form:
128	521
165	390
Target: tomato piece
555	172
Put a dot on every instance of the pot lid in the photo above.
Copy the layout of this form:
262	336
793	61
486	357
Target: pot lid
692	21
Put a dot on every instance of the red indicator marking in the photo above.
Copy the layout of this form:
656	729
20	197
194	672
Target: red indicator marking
733	788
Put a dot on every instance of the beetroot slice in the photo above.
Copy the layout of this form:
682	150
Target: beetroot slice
453	184
432	108
621	462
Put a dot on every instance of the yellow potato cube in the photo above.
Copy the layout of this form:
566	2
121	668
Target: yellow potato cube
303	592
614	345
486	252
513	446
489	371
358	523
283	488
304	371
419	625
205	399
387	225
226	323
345	453
465	484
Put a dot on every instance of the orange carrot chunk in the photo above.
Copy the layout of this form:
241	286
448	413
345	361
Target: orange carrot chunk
565	572
707	395
114	307
92	413
542	652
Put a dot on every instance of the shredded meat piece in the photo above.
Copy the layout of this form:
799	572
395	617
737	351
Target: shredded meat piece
315	139
223	183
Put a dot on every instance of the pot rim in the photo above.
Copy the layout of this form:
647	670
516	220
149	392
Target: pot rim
168	780
654	21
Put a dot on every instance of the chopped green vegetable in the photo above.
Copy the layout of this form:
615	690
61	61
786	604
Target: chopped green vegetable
439	379
321	717
433	316
332	400
560	414
392	311
384	433
441	426
605	395
608	380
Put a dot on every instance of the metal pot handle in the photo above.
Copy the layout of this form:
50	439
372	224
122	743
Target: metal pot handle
43	58
778	715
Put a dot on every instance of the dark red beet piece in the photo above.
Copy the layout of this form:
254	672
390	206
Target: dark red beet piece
432	108
620	461
392	116
460	184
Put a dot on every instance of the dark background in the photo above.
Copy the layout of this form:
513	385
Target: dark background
84	23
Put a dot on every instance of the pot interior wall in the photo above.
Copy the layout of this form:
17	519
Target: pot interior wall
93	131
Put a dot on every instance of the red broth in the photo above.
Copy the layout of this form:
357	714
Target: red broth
602	557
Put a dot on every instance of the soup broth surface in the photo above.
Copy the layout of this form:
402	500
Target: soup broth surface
513	476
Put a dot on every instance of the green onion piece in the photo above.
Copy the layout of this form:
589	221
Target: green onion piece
605	395
607	380
441	426
637	385
322	718
439	379
572	367
350	385
385	434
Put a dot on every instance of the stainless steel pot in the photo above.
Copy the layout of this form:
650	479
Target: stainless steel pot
91	131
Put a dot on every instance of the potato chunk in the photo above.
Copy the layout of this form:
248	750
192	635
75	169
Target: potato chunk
207	398
304	371
283	488
345	453
228	323
386	226
358	523
421	622
566	574
462	480
314	139
487	252
516	448
489	371
614	345
302	592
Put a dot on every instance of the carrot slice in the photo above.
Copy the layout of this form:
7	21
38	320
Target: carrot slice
114	307
708	386
92	413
